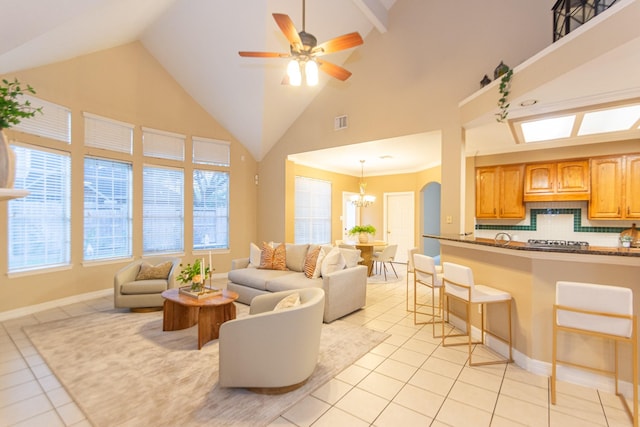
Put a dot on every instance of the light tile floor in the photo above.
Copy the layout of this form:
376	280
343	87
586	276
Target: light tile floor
408	380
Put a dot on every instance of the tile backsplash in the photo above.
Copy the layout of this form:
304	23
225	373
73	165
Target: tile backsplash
557	221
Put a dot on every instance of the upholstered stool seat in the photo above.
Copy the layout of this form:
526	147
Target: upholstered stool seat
459	285
598	311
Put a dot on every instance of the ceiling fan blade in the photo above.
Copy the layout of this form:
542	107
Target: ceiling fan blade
264	54
343	42
288	29
334	70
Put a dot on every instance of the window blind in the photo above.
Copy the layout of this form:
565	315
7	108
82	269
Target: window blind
54	122
312	222
36	239
163	145
210	209
107	209
108	134
162	210
211	151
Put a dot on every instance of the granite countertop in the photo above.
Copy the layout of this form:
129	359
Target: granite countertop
522	246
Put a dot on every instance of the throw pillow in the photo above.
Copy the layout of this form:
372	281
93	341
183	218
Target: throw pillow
151	272
254	255
334	261
273	258
289	301
351	256
296	255
311	262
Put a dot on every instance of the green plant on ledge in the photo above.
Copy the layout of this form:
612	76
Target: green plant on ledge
505	88
12	110
368	229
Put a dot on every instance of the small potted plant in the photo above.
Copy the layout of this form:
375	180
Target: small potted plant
626	240
193	275
12	111
363	232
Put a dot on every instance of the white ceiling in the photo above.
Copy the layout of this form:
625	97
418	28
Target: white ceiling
197	42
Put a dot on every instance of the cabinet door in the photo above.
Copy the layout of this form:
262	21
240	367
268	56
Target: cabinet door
487	192
540	178
632	186
573	177
606	188
511	189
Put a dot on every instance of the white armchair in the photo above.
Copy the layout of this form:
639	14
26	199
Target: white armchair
272	351
142	295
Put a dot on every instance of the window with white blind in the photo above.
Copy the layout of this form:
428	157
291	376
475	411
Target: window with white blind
312	210
54	122
210	209
211	151
107	209
40	224
162	145
162	210
107	134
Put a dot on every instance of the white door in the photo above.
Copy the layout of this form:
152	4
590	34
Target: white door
399	217
350	215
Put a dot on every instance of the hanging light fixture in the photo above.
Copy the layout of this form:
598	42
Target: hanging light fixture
362	200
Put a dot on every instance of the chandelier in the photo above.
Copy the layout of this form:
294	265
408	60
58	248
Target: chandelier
362	200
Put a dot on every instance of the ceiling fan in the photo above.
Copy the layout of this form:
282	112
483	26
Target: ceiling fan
305	52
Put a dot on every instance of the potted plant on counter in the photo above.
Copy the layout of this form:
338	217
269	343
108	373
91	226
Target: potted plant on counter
363	232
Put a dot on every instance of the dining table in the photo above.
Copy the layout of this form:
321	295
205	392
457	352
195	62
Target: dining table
366	252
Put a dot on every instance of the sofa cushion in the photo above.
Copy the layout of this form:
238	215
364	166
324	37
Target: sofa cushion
351	256
255	254
151	272
273	258
144	287
291	281
289	301
334	261
296	255
255	278
311	262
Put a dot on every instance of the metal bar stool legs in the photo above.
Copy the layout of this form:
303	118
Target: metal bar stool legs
426	274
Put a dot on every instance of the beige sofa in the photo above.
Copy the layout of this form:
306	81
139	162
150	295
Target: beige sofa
345	289
286	357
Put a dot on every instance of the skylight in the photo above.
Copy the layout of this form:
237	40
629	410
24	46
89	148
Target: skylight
546	129
612	120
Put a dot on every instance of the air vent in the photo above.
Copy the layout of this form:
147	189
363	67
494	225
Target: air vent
340	122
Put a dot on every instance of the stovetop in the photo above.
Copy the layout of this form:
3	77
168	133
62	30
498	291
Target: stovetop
557	244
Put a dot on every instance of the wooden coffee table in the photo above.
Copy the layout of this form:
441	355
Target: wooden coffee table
182	311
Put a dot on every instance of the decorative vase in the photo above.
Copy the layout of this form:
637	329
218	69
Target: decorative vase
363	237
7	159
500	70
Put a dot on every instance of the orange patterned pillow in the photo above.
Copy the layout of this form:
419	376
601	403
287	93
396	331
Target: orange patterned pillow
310	262
273	258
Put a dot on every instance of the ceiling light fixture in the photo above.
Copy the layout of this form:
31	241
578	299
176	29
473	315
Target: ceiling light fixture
362	200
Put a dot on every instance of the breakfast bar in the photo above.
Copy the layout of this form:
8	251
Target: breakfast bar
530	273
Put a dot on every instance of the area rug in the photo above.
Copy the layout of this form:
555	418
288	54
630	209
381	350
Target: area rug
123	370
391	278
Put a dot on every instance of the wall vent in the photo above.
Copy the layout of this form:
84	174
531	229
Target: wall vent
340	122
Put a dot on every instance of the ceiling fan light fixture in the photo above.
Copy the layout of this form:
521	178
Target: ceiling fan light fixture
311	72
293	71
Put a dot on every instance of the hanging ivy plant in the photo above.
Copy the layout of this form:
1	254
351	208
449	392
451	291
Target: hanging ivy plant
503	103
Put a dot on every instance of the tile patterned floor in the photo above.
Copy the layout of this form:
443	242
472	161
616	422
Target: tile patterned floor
408	380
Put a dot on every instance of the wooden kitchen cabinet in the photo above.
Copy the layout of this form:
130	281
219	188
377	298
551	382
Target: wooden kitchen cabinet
557	181
499	192
615	188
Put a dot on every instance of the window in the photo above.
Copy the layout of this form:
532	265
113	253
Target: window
107	209
312	210
210	209
162	210
162	145
107	134
35	239
211	152
54	122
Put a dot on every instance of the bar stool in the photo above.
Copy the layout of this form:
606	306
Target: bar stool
410	253
459	285
598	311
426	273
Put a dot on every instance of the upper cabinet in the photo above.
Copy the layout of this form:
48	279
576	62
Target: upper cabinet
499	192
615	187
557	181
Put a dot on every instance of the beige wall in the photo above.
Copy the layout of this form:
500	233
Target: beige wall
127	84
406	81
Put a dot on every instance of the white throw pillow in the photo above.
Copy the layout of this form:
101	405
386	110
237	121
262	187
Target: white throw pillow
351	256
321	256
334	261
254	255
289	301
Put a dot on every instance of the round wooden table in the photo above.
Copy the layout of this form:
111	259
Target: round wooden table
182	311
